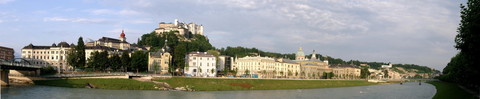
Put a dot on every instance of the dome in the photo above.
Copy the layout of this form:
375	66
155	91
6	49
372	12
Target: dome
63	44
300	52
122	35
54	45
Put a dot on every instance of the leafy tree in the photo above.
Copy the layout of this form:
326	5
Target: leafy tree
92	61
465	67
115	62
125	61
247	72
76	55
139	61
155	67
72	57
178	58
385	74
102	60
80	53
364	73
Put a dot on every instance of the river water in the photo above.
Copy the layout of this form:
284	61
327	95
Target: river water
409	90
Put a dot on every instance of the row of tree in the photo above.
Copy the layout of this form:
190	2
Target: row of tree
464	68
180	45
104	61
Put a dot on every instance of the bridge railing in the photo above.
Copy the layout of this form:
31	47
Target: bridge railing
19	64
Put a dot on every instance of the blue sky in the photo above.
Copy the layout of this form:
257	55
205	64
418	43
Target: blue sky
409	32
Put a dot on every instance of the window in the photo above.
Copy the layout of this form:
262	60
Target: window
194	63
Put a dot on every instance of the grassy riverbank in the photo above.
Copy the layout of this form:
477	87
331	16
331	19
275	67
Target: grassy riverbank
205	84
446	90
209	84
126	84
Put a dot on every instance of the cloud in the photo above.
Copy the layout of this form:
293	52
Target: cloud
75	20
123	12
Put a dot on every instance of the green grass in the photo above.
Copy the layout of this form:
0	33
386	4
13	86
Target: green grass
208	84
446	90
125	84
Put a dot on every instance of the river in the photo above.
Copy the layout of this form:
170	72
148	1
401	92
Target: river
410	90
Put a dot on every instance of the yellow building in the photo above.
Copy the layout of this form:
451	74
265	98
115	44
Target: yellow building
266	67
346	71
159	61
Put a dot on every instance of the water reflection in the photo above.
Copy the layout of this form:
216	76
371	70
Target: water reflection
391	91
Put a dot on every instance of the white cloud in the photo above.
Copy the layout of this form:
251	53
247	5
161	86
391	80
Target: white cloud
74	20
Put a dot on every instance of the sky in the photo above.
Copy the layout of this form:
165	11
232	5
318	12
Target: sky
398	31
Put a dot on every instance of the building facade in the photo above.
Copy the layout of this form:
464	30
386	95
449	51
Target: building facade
346	71
182	28
6	53
120	43
159	61
201	64
266	67
54	55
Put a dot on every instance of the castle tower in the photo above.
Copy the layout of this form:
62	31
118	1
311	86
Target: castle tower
122	36
314	55
300	55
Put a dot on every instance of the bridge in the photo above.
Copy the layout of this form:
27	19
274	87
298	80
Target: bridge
16	64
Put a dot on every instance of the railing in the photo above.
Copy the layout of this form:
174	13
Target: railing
19	64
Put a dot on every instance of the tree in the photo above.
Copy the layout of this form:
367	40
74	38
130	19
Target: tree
178	58
125	61
385	74
155	66
247	72
290	73
364	73
76	55
72	57
92	61
115	62
139	61
102	60
80	48
465	67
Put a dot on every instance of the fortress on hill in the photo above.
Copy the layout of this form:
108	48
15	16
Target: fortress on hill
182	28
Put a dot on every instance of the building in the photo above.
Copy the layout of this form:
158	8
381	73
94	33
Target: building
346	71
120	43
182	28
266	67
6	53
311	68
159	61
201	64
54	55
224	62
387	66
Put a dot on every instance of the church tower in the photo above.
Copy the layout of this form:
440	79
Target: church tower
300	56
122	36
314	55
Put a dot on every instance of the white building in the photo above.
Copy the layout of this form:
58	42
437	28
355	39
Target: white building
387	66
182	28
200	64
54	55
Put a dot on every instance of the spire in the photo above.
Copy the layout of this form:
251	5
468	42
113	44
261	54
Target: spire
314	55
122	36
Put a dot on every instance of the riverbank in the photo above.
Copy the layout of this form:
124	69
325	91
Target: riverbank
213	84
204	84
446	90
116	84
